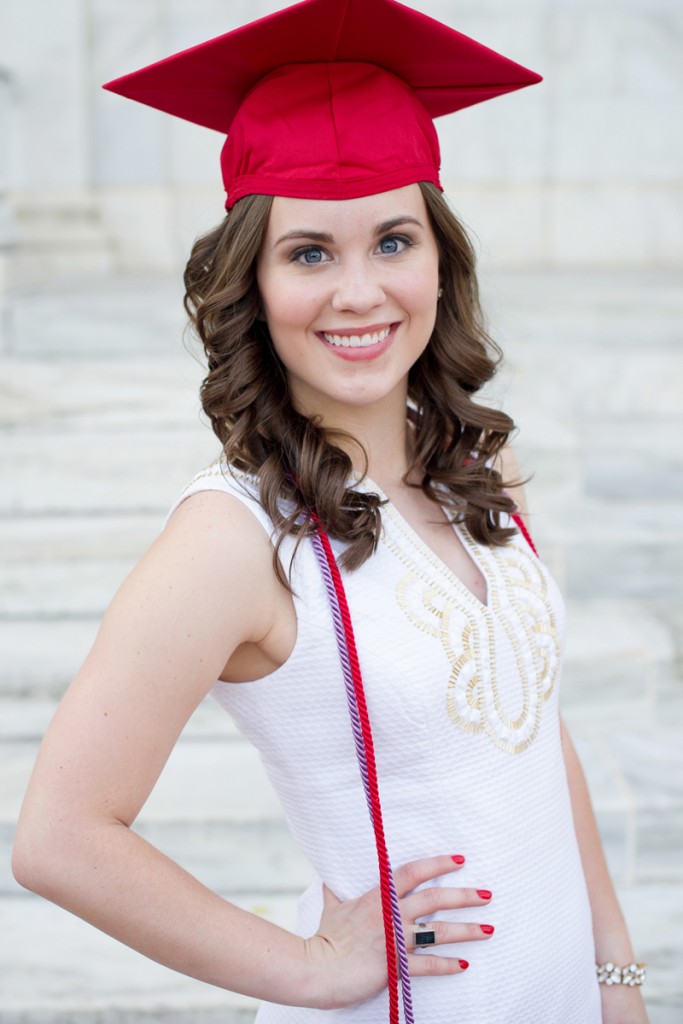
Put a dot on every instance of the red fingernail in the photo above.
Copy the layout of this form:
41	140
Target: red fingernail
458	858
487	929
484	894
463	964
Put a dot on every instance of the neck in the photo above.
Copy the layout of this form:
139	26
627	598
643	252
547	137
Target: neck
388	448
383	432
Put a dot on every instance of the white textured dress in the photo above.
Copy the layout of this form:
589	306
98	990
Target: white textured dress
463	702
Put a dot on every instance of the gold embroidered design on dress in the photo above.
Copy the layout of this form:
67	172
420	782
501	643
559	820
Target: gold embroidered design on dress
518	601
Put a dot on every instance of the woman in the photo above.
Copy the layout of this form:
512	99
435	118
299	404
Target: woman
338	308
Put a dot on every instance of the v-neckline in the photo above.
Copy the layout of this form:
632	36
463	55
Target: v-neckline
368	484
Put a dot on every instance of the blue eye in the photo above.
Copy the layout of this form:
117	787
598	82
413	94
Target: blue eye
393	244
309	257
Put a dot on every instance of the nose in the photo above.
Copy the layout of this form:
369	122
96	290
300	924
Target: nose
358	287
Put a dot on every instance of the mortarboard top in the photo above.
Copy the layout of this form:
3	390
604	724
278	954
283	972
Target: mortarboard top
329	98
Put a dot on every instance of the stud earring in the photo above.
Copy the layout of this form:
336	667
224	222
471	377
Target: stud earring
439	293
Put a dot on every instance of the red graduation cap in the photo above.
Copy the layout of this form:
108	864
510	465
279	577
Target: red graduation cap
328	99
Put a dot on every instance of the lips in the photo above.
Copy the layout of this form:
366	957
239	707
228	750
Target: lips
360	344
360	340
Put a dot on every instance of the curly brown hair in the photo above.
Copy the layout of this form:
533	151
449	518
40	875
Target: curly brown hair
298	464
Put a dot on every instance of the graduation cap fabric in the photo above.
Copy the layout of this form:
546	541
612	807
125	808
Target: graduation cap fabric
328	99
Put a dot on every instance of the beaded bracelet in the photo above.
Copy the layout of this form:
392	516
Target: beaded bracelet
610	974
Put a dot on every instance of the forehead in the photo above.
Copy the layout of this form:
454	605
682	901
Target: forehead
345	216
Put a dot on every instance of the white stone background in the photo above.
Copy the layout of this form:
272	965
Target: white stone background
573	190
583	170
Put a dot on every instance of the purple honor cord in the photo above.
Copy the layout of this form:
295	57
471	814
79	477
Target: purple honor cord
406	992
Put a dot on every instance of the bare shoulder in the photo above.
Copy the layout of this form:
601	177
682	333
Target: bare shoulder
217	525
220	556
205	587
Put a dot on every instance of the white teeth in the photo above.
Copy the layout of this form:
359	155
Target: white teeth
355	340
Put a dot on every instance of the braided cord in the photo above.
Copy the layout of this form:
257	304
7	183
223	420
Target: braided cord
365	752
521	525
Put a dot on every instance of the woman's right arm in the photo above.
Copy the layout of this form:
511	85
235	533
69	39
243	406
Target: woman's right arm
205	587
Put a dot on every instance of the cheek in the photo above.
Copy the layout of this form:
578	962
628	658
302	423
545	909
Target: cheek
289	310
420	285
420	296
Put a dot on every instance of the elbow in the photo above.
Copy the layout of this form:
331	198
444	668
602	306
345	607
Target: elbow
43	856
60	857
24	867
30	865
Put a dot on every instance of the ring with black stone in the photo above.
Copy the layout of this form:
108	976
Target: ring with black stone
425	936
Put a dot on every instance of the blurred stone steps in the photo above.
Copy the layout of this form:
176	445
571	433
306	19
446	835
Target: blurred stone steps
57	969
126	319
100	431
57	237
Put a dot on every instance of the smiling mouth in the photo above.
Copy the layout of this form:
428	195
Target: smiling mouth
356	340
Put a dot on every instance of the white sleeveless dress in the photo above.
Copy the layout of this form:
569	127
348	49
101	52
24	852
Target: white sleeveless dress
463	702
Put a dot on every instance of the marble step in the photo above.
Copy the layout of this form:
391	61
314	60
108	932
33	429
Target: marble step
127	317
59	970
58	238
583	307
124	470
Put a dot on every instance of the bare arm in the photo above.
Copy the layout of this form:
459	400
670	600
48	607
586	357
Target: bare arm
163	642
621	1004
205	588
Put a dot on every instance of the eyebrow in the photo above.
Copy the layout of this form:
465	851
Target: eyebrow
323	236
